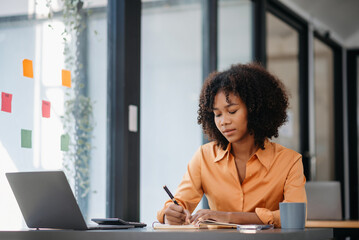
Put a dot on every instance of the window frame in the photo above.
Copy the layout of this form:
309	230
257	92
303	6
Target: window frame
123	179
285	14
352	56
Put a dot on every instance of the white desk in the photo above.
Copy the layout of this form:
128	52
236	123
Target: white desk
150	234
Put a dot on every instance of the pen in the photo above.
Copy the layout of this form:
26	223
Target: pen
170	194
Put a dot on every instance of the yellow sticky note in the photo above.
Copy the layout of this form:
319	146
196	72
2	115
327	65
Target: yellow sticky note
27	68
66	78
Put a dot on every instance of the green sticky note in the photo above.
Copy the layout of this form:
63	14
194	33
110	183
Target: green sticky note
26	138
65	140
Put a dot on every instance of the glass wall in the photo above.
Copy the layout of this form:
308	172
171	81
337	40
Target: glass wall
324	111
36	98
282	61
96	69
171	78
234	32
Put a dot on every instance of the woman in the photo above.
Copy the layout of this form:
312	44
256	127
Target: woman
242	173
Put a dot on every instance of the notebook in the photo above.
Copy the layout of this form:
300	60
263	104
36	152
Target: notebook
212	224
46	201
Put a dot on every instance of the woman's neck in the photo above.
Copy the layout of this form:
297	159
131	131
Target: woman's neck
243	150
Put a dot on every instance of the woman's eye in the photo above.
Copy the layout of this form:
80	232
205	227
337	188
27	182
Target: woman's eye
217	115
233	112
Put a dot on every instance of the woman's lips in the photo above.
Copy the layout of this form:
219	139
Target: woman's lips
229	132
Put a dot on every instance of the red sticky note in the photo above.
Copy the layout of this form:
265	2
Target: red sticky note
27	68
66	78
46	109
6	99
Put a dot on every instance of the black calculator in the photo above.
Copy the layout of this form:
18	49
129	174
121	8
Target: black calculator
117	221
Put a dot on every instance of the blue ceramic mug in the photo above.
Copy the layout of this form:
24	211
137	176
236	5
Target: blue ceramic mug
292	214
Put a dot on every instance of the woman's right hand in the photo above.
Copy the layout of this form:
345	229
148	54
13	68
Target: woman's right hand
176	215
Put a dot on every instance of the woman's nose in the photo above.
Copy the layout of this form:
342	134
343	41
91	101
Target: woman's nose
225	120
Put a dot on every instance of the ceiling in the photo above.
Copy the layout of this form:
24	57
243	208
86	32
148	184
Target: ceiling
339	16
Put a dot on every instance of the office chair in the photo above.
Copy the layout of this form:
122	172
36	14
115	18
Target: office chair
324	200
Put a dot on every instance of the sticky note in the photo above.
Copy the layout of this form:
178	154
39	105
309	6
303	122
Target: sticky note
66	78
65	140
46	109
27	68
6	99
26	138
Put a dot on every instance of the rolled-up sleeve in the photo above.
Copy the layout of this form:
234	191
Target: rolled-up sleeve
294	191
268	217
189	192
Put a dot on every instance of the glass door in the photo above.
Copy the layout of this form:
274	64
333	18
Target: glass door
283	61
286	56
324	112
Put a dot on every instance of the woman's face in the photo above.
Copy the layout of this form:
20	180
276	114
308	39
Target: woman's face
231	117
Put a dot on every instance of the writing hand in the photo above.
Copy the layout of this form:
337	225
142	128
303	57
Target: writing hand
177	215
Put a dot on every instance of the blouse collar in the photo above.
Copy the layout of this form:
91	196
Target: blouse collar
264	156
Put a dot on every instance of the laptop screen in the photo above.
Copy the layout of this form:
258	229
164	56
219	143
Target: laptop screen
46	200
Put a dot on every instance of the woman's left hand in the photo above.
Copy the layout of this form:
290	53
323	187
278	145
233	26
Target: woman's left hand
205	214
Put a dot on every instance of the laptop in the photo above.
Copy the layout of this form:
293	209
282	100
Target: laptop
46	201
323	200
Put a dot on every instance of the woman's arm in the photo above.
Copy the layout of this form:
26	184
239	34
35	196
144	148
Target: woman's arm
228	217
189	192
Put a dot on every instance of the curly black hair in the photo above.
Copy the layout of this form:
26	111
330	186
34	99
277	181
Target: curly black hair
263	94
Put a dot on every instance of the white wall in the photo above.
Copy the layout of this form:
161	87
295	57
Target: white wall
353	40
34	40
18	41
342	26
171	64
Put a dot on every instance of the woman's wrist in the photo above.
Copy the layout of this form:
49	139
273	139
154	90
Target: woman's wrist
244	218
235	217
230	217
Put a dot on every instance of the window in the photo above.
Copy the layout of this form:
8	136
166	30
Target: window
324	111
171	78
283	61
234	32
31	140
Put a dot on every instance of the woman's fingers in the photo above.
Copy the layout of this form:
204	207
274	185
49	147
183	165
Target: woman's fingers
174	220
188	216
197	217
212	215
202	215
175	207
175	214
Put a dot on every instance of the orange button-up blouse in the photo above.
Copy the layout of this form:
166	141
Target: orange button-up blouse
273	175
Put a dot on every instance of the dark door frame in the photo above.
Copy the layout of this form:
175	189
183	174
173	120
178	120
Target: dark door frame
352	98
338	108
261	7
123	155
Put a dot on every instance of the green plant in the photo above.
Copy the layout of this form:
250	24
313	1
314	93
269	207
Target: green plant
78	117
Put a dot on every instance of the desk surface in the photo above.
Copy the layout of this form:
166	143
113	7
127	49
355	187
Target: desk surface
149	234
332	224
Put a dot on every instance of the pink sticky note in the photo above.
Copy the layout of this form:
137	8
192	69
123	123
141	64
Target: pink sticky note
46	109
6	99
